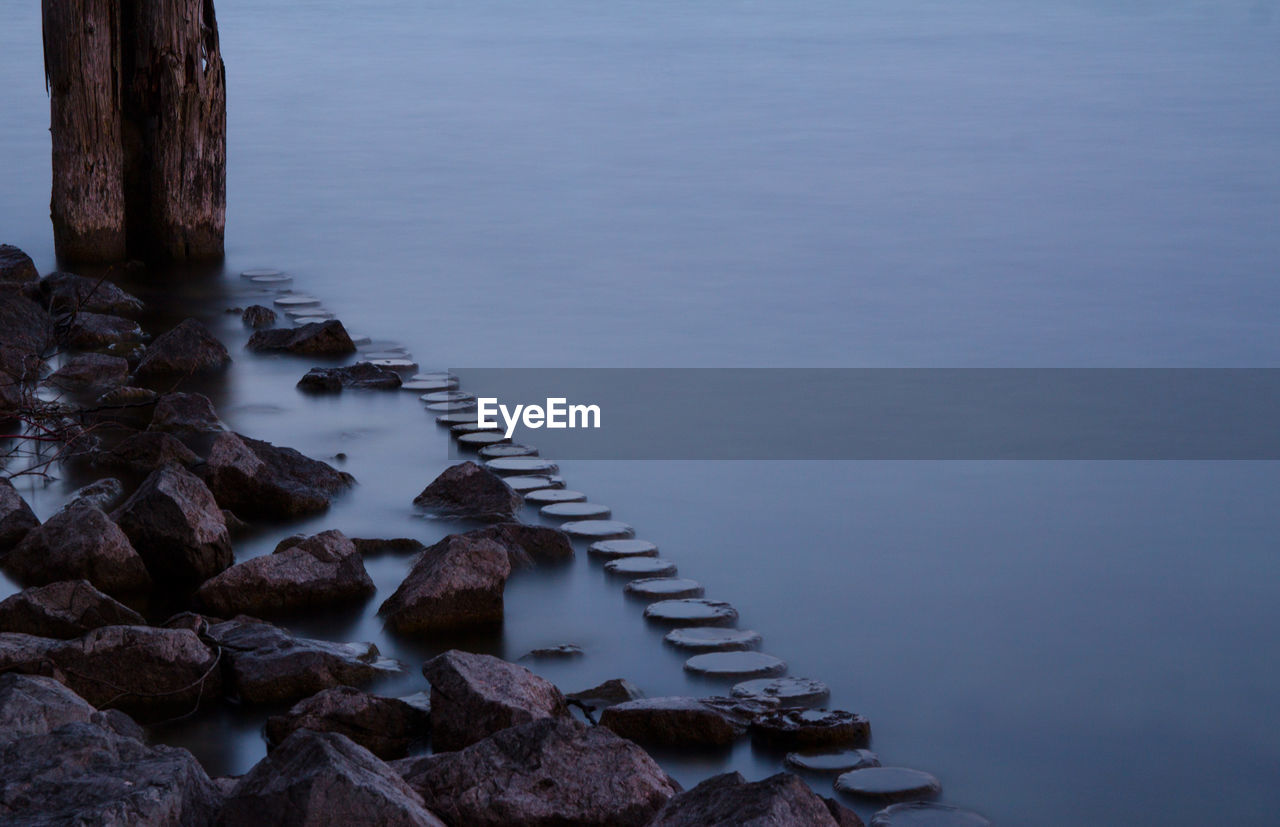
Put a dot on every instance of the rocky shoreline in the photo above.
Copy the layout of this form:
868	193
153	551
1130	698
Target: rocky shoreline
80	662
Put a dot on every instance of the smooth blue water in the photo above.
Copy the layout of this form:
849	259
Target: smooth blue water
1045	183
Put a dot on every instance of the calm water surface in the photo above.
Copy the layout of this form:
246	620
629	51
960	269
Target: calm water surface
1045	183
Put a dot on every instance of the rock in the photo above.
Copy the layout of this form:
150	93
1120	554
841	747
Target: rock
664	588
26	333
91	372
258	316
798	729
323	778
25	653
16	265
519	466
144	452
618	549
498	449
598	529
735	665
235	525
16	517
185	414
257	479
176	526
547	496
529	545
474	696
843	815
37	705
267	664
785	691
713	639
83	773
561	651
927	814
88	331
384	726
80	542
672	722
467	490
691	612
320	572
741	710
889	784
833	762
533	482
630	567
781	800
576	511
67	292
188	348
373	546
612	691
103	494
67	609
360	376
129	396
543	773
315	339
455	584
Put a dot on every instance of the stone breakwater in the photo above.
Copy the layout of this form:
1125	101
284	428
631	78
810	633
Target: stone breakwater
136	609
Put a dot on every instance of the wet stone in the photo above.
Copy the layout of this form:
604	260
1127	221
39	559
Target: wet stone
480	439
664	588
430	382
501	450
258	272
447	396
387	354
889	784
535	482
598	529
927	814
641	567
576	511
692	612
272	279
473	428
735	664
451	407
295	300
456	418
394	363
553	495
623	547
787	691
516	466
833	762
558	652
306	320
798	729
258	316
713	639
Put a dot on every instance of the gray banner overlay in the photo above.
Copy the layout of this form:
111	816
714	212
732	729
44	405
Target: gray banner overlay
917	414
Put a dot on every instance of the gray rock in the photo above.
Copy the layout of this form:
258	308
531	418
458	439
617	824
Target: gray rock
102	494
26	333
387	727
88	331
256	479
67	292
189	348
258	316
314	339
67	609
316	778
37	705
176	526
144	452
798	729
529	545
561	651
889	784
184	414
322	571
833	762
455	584
360	376
927	814
474	696
546	773
373	546
79	543
91	372
16	517
612	691
728	800
467	490
672	721
16	265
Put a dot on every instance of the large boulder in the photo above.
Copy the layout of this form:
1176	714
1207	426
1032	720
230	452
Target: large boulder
146	451
323	778
455	584
257	479
16	517
387	727
315	339
267	664
543	773
89	331
672	721
470	491
258	316
188	348
79	543
185	414
26	333
529	545
474	696
37	705
16	266
95	372
360	376
66	609
176	526
781	800
67	292
321	571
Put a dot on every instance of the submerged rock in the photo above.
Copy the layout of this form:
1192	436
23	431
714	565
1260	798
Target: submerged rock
16	266
146	451
313	339
384	726
467	490
16	517
547	496
176	526
641	567
927	814
534	482
833	762
26	333
672	722
612	691
518	466
185	414
561	651
528	545
257	479
258	316
360	376
551	772
735	665
189	348
91	372
598	529
454	584
322	571
80	543
618	549
323	778
474	696
103	494
785	691
664	588
713	639
797	729
691	612
728	800
87	331
67	292
576	511
67	609
889	784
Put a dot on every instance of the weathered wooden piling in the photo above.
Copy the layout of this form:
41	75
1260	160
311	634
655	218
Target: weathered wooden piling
138	116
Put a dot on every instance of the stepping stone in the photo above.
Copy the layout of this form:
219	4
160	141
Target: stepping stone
889	784
735	664
927	814
833	762
546	496
576	511
301	320
295	300
786	691
480	439
515	466
692	612
386	354
279	278
371	345
561	651
801	729
398	364
641	567
451	407
535	482
474	428
712	638
665	588
359	340
258	272
615	549
597	529
433	381
456	418
447	396
507	449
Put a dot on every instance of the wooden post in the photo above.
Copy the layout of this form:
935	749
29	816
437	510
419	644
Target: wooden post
150	100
